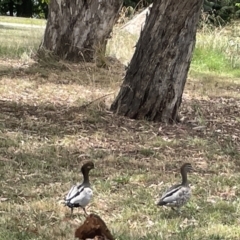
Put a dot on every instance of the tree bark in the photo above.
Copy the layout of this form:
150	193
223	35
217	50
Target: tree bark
25	8
155	80
77	30
10	5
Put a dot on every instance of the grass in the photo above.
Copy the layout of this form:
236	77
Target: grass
21	43
222	49
21	20
47	129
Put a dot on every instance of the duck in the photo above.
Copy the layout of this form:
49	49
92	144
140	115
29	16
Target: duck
179	194
80	195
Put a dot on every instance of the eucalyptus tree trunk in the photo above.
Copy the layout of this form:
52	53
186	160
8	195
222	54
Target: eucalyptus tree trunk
77	30
155	80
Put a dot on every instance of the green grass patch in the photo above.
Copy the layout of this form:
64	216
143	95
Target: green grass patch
209	60
21	20
19	43
217	51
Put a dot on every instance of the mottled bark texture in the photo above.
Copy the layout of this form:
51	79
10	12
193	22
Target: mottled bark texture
156	76
78	29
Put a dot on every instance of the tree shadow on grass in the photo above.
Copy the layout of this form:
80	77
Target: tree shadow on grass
96	134
49	69
14	27
134	143
45	119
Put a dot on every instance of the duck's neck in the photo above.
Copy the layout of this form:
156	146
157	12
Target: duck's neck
184	177
85	174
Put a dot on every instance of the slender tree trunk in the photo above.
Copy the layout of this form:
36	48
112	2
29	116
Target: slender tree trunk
25	8
78	29
10	5
156	77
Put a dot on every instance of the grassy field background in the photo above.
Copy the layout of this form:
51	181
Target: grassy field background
48	128
21	20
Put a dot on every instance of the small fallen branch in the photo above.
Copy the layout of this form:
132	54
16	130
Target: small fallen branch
93	228
95	100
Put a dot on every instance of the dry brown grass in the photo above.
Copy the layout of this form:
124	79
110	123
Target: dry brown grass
56	115
47	129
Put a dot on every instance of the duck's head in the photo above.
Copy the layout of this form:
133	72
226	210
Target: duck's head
87	166
186	167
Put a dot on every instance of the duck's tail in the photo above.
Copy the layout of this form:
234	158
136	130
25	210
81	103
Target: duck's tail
161	203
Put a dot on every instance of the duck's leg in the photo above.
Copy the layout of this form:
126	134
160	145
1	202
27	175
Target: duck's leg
176	210
85	213
71	211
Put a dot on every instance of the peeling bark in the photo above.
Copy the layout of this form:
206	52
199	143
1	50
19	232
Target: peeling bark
156	77
78	29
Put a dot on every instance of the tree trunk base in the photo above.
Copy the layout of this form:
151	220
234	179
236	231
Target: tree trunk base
155	79
93	228
79	30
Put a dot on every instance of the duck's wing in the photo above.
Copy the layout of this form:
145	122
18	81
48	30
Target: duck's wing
79	195
82	198
172	194
171	190
73	192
